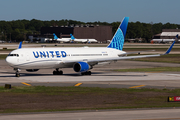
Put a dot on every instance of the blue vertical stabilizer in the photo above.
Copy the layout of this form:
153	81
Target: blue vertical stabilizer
55	37
117	41
72	37
20	45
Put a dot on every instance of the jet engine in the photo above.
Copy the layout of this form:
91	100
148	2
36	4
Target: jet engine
81	67
32	70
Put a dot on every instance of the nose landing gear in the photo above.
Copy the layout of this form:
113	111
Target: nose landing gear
17	72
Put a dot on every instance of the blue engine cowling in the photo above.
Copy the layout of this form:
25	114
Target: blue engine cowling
81	67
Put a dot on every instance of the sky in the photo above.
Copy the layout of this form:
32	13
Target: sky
146	11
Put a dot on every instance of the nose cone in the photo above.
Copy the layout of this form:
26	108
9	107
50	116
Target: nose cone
9	61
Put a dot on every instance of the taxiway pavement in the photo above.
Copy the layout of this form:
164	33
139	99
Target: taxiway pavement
125	114
102	76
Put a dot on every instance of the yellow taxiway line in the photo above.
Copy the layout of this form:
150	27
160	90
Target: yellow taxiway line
137	86
78	84
26	84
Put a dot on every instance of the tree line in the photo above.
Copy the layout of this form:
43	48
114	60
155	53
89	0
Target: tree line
19	29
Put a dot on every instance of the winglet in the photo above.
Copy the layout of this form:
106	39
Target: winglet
72	37
169	50
20	45
176	38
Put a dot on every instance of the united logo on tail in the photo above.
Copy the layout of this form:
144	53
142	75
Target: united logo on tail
117	41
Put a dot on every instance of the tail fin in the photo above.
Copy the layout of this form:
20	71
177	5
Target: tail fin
72	37
117	41
20	45
55	37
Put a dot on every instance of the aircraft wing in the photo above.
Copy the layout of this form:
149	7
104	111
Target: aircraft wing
127	53
95	61
134	57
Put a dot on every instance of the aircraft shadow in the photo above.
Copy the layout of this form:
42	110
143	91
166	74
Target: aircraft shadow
124	75
71	74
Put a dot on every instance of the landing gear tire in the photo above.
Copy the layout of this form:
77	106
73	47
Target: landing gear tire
60	72
17	75
17	72
55	72
89	72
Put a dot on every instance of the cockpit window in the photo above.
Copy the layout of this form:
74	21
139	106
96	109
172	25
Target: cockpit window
14	55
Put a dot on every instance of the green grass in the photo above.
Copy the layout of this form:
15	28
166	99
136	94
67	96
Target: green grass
157	69
170	58
44	99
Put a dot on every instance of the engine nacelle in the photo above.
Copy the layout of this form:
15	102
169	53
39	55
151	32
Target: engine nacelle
81	67
32	70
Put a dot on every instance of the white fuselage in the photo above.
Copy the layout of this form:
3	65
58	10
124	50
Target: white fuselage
163	40
63	39
85	40
38	58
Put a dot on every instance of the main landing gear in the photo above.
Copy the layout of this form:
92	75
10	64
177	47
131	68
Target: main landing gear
17	72
86	73
57	72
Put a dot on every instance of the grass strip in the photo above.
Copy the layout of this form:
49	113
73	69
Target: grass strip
170	58
44	99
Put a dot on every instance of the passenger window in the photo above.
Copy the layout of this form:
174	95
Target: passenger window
14	55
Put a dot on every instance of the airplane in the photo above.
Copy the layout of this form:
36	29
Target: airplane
81	59
163	40
61	39
82	40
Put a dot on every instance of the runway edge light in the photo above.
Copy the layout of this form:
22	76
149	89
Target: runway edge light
174	99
